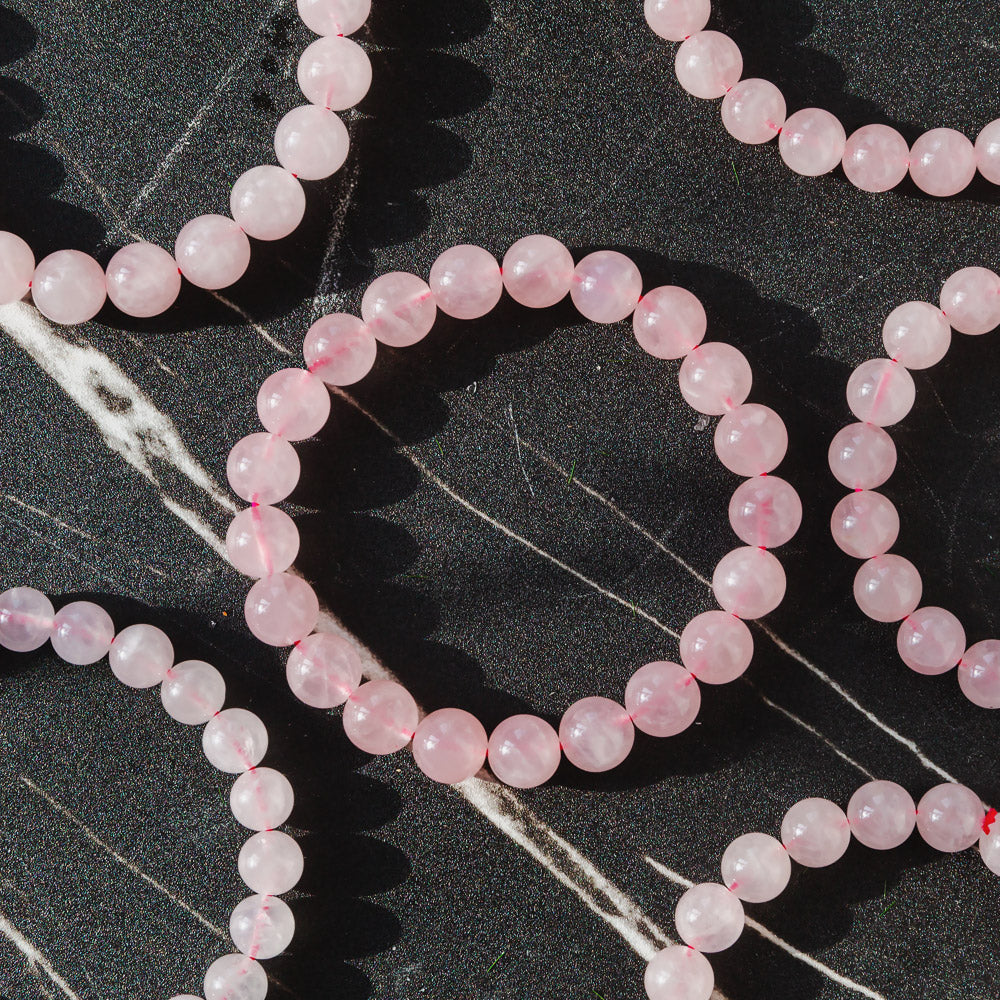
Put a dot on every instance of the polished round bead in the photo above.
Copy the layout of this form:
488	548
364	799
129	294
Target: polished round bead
311	143
271	863
970	300
69	287
606	286
931	641
989	846
334	17
323	670
679	973
262	926
212	252
751	440
234	741
399	309
596	734
754	111
765	511
709	917
979	674
749	582
340	349
812	142
716	647
988	152
917	335
675	20
942	162
669	322
143	280
192	692
293	403
876	158
26	619
714	378
17	267
881	392
524	751
882	815
263	468
537	271
950	817
465	282
261	799
267	203
756	868
281	609
815	832
708	64
380	717
888	588
335	73
662	699
450	746
262	541
82	633
862	456
141	655
865	524
235	977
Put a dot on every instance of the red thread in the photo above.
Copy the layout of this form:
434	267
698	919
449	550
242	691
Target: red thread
991	818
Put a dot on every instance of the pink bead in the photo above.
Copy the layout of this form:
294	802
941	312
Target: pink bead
262	541
751	440
942	162
989	846
815	832
862	456
865	524
281	609
311	143
812	142
26	619
334	17
141	655
261	799
262	927
709	917
606	286
323	670
669	322
662	699
69	287
876	158
192	692
466	282
82	633
679	973
950	818
235	977
399	309
917	335
340	349
979	674
17	266
881	392
538	271
931	641
882	815
756	868
675	20
596	734
749	582
970	300
988	152
271	863
263	468
267	203
380	717
765	511
234	741
716	647
715	378
143	280
212	252
449	746
524	751
888	588
293	403
754	111
335	73
708	64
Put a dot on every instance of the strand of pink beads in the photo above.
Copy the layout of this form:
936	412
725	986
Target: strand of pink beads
399	309
815	833
234	741
267	202
812	141
865	524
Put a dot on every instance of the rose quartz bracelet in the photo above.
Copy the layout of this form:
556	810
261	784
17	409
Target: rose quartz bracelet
234	740
812	142
398	309
865	524
267	202
756	867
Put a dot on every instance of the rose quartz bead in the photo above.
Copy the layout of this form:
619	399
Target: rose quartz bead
888	588
950	817
143	280
262	541
931	641
267	203
942	162
261	799
69	287
262	926
679	973
979	674
335	73
606	286
708	64
212	251
281	609
26	619
812	142
82	633
716	647
715	378
596	734
465	282
754	111
765	511
916	334
751	440
756	868
399	309
988	152
17	266
971	300
749	582
815	832
524	751
450	746
380	717
340	349
709	917
263	468
882	815
235	977
271	863
234	741
141	655
881	392
669	322
862	456
865	524
293	403
192	692
323	670
876	158
311	142
537	271
334	17
674	20
662	699
989	846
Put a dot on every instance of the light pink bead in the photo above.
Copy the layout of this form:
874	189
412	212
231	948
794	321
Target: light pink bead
812	142
679	973
669	322
234	741
311	142
281	609
450	746
524	751
335	73
931	641
888	588
235	977
271	863
881	392
751	440
596	734
756	868
708	64
950	817
399	309
988	152
674	20
662	698
261	799
606	286
192	692
942	162
267	203
862	456
709	917
716	647
754	111
380	717
334	17
69	287
262	541
865	524
340	349
293	403
916	334
17	266
465	282
262	926
26	619
882	815
538	271
82	633
979	674
765	511
323	670
749	582
715	378
876	158
989	846
141	655
263	468
143	280
212	251
815	832
970	300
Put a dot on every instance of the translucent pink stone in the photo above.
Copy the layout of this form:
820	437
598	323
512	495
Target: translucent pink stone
380	717
271	863
212	251
335	73
663	699
865	524
669	322
323	670
765	511
754	111
143	280
882	815
708	64
281	609
916	334
340	349
950	817
235	977
715	378
17	266
970	300
524	751
334	17
538	271
876	158
989	846
262	541
82	633
888	588
674	20
141	655
596	734
749	582
815	832
679	973
465	282
450	746
26	619
812	142
709	917
881	392
716	647
192	692
262	926
263	468
261	799
751	440
931	641
988	152
399	309
69	287
606	286
756	868
311	142
234	741
862	456
942	162
267	203
293	403
979	674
